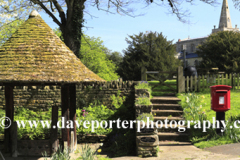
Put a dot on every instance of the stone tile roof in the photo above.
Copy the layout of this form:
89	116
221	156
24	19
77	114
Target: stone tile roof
35	54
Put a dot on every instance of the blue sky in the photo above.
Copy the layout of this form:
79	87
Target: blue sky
113	29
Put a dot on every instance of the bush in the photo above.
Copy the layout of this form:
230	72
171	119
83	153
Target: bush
144	85
144	116
94	113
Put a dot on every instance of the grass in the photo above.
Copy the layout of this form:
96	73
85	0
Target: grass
172	83
209	139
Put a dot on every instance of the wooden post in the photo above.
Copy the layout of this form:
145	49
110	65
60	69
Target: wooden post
226	79
195	85
180	80
143	74
230	79
72	90
14	129
198	84
222	79
72	141
54	131
10	115
65	116
191	83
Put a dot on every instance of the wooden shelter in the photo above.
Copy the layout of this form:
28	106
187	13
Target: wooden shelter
35	56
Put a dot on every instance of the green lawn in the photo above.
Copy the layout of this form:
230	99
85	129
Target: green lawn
172	83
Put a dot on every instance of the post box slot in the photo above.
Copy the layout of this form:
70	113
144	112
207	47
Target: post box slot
221	91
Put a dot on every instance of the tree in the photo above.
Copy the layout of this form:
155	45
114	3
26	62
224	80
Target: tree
221	50
151	50
7	30
92	55
71	13
115	57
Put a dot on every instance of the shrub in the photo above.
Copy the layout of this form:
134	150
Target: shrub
193	108
94	113
59	155
144	116
144	85
143	101
87	153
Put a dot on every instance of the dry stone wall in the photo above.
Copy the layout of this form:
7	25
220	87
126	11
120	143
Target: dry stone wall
43	97
147	139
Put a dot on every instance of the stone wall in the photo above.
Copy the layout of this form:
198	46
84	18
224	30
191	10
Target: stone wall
147	141
43	97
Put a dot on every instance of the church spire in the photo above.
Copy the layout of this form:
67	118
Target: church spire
225	20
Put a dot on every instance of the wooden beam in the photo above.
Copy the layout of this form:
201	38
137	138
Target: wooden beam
65	116
9	113
14	129
72	90
54	130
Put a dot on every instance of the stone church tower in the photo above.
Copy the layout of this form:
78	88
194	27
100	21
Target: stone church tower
190	45
225	20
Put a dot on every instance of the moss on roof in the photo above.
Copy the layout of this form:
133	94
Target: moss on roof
35	54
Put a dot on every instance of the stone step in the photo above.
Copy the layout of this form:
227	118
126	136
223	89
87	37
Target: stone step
165	99
176	136
165	106
170	129
174	143
163	118
167	94
167	112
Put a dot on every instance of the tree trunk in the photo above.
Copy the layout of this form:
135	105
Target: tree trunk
72	29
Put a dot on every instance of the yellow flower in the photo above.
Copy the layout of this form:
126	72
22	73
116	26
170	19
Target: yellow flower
190	94
99	150
154	114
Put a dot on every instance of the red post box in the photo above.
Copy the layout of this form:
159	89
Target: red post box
220	98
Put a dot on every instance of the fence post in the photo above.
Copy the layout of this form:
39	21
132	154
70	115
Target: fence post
143	74
180	80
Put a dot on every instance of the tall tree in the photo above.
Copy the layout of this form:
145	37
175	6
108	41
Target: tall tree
221	50
93	56
151	50
70	12
115	57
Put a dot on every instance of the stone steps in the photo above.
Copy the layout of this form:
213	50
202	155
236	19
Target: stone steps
167	108
173	143
167	112
165	99
176	136
169	118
